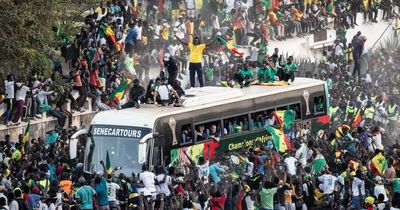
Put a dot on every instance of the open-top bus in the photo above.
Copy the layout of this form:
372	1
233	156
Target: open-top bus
155	135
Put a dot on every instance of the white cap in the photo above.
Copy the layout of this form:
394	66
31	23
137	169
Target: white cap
378	179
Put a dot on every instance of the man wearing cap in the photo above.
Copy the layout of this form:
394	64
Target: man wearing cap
136	95
196	54
172	68
380	188
84	194
180	27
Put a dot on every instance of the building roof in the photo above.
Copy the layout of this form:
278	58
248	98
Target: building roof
196	98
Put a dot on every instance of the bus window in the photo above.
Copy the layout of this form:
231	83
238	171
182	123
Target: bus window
208	131
186	134
296	108
256	121
282	108
319	105
260	119
236	124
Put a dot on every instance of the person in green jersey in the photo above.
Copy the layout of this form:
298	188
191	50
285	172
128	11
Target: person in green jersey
245	76
396	191
261	76
271	71
287	71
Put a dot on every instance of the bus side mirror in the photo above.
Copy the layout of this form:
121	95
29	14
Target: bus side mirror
73	142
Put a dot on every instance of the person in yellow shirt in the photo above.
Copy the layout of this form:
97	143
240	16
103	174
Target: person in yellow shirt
196	50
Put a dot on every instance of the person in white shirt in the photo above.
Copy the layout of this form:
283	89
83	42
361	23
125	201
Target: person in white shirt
254	53
157	29
112	192
291	165
162	92
9	98
20	101
328	182
42	95
249	166
380	189
180	27
147	178
338	47
190	8
163	185
203	169
357	189
377	138
301	155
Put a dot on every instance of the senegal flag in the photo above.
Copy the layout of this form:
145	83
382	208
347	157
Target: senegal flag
285	118
108	164
357	119
119	92
279	139
25	138
230	47
278	83
379	164
107	30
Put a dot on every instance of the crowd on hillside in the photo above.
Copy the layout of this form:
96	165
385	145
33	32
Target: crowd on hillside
38	173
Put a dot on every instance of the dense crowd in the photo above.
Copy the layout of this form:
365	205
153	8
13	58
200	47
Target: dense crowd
169	35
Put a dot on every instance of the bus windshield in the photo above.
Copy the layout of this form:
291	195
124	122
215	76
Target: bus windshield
123	150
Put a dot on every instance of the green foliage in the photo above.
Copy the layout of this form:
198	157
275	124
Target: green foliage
26	36
388	45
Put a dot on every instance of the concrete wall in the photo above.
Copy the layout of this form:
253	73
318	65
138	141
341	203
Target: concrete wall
39	127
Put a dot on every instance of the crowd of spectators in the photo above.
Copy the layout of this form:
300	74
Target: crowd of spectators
38	173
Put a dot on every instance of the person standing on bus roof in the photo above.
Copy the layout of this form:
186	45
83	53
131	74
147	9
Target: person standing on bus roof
196	54
172	68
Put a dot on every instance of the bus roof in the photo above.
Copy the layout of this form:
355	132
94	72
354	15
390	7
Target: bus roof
196	98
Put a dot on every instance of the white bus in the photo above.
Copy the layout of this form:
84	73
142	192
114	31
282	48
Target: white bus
153	135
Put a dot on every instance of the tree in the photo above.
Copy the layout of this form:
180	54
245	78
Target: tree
26	35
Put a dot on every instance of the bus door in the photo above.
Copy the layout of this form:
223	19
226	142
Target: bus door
155	153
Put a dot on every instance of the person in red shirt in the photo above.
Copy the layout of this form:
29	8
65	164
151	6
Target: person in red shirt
94	77
218	200
78	85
